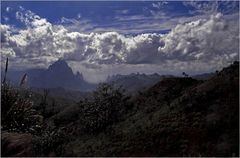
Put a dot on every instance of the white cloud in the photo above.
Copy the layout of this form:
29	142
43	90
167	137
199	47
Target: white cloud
79	24
79	16
204	39
159	5
8	9
203	44
124	11
6	19
5	33
156	21
212	7
30	19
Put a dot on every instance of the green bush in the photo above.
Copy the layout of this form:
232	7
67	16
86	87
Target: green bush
106	107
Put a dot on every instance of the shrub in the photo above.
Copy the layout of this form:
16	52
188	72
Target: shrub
106	107
44	105
50	142
18	114
17	110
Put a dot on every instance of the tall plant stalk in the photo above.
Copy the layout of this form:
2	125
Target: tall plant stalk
5	75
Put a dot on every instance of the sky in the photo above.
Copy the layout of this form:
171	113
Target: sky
104	38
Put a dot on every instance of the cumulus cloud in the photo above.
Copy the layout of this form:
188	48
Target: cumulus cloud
209	41
5	32
29	18
202	40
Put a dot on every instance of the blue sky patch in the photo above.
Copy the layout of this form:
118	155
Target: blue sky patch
115	16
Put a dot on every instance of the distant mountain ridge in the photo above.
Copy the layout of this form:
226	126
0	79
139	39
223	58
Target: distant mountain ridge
138	82
60	75
57	75
135	81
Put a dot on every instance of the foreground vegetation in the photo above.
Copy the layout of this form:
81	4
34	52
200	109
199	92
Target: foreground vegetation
175	117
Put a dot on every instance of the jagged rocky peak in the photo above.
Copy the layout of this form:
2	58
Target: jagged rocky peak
79	75
60	66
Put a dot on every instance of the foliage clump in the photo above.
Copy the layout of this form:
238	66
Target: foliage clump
18	114
50	141
106	106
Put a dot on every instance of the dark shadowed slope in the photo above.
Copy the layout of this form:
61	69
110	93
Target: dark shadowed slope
175	117
203	76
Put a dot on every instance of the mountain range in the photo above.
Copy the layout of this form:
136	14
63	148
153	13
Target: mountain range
135	81
60	75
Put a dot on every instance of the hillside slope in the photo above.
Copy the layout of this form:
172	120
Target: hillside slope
175	117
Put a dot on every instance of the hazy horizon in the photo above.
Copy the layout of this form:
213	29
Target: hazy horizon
96	76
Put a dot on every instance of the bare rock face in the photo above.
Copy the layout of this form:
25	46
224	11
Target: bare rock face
16	144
